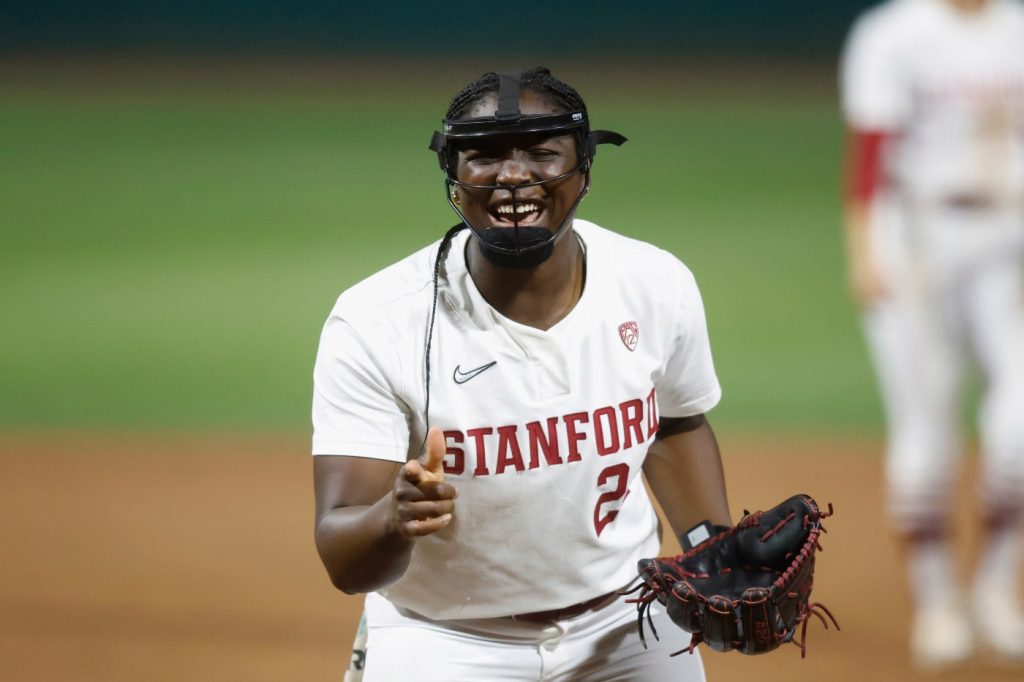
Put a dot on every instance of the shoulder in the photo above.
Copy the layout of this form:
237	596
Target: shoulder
639	267
626	253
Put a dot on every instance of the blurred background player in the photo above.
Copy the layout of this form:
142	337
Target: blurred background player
933	94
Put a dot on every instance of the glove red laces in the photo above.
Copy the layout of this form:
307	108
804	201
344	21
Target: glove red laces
745	588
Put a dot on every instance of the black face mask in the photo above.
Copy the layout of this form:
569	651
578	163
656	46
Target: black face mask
518	247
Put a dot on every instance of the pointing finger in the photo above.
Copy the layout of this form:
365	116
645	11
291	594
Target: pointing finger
433	460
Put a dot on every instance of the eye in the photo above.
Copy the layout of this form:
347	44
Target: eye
544	154
480	157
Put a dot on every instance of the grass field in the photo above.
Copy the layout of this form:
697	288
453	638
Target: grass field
170	243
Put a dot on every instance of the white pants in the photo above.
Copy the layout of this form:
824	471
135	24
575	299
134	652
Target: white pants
597	646
956	278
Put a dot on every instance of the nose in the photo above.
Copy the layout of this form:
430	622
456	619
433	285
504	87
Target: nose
514	169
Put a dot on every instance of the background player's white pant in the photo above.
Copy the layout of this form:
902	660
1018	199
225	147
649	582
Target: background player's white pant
959	298
598	646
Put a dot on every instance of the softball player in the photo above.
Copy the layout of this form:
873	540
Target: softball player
933	92
484	408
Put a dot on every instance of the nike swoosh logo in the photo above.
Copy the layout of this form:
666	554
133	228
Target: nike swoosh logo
462	377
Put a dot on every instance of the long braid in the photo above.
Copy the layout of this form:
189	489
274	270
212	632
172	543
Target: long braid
442	251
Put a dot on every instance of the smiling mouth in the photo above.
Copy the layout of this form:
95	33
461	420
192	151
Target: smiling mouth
521	213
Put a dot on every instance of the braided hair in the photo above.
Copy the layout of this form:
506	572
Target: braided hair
442	252
538	79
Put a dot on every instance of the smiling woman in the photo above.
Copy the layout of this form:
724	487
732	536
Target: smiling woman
493	518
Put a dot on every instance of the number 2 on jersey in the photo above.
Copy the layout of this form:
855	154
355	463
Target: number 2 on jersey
619	472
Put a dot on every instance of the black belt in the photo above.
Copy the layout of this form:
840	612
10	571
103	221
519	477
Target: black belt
566	612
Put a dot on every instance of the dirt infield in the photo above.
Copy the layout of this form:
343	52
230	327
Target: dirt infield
184	558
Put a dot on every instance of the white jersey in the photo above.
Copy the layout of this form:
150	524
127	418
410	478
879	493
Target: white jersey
950	85
546	430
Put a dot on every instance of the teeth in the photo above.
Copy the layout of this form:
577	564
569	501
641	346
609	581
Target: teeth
509	209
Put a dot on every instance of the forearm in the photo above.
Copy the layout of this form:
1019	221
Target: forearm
361	549
863	181
684	470
369	513
856	216
867	280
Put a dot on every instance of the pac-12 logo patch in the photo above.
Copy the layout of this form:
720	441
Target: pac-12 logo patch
630	334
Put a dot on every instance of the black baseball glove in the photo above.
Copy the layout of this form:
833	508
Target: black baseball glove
745	588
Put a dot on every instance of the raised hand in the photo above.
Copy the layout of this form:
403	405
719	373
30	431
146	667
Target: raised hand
421	502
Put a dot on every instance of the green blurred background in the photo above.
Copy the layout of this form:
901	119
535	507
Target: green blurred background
185	189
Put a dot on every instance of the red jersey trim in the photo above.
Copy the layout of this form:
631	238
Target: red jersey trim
864	164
